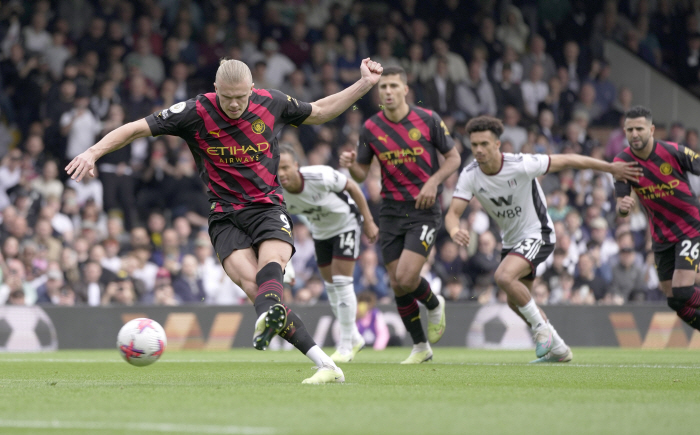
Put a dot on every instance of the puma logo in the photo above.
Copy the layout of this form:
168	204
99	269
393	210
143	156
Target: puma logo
689	260
384	139
287	231
425	245
216	133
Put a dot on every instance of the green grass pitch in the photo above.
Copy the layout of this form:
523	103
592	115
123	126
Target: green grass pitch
603	391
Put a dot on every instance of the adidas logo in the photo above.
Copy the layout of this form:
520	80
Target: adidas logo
482	190
347	252
343	304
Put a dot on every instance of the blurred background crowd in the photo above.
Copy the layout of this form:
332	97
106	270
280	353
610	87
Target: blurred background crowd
73	70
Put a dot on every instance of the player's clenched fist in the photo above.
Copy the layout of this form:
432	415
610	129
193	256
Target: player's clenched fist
347	158
625	204
371	70
371	230
460	236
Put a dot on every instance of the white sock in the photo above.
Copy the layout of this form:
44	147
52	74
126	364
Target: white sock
420	347
558	344
319	357
346	311
532	314
435	314
332	297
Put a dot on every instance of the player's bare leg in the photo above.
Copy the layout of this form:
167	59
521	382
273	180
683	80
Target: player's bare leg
682	296
264	289
341	294
510	278
409	287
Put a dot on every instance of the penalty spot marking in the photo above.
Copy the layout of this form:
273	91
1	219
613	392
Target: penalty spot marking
148	427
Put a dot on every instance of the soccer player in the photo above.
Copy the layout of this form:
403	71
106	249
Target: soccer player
506	186
232	134
407	141
672	208
318	192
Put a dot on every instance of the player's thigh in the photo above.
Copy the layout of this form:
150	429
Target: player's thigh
532	251
274	250
678	265
242	266
324	257
270	228
391	271
226	236
513	267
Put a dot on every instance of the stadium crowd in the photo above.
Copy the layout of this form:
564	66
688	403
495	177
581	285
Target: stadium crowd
74	70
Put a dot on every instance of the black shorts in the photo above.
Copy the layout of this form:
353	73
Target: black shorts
534	251
344	246
402	226
683	255
248	227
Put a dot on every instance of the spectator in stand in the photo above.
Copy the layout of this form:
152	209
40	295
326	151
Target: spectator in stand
508	92
475	95
512	131
456	65
535	91
369	276
513	31
485	260
539	56
119	293
79	125
278	65
188	285
589	284
439	90
587	103
628	277
370	321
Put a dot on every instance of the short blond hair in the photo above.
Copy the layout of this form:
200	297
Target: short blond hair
233	71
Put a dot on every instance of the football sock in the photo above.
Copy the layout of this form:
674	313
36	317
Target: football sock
425	295
532	314
685	301
319	357
346	311
558	344
332	297
270	290
295	333
410	315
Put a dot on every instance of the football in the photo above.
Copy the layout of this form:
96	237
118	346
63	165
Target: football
141	341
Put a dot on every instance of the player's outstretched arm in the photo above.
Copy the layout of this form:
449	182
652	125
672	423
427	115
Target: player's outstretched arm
623	171
357	171
428	193
328	108
85	163
369	227
454	214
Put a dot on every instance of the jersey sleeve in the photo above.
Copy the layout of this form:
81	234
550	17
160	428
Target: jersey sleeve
177	120
689	160
288	109
536	164
621	189
334	181
464	190
441	135
364	149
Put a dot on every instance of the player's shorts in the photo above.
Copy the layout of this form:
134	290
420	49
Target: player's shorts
402	226
534	251
344	246
683	255
248	227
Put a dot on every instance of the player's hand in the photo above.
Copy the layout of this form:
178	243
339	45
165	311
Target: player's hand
626	171
81	165
347	158
371	70
625	204
460	236
371	230
426	196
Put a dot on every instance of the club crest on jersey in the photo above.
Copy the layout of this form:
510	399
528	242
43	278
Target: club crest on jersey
258	126
512	183
666	168
414	134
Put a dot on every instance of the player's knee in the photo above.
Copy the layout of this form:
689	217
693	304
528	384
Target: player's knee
503	279
675	304
407	281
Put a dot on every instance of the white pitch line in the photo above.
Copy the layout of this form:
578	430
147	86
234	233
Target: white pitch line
495	364
152	427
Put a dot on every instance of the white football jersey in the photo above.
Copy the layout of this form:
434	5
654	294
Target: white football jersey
512	196
323	201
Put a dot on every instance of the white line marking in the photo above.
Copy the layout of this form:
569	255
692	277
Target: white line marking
234	361
142	426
